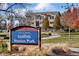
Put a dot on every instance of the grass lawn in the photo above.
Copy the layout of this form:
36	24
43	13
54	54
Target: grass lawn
72	42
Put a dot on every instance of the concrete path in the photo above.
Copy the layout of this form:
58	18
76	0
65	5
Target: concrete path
75	49
52	36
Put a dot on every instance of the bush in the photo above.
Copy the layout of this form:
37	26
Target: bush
34	51
21	49
61	49
15	49
4	50
49	34
4	45
47	50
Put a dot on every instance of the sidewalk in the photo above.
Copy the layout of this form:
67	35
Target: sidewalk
75	49
52	36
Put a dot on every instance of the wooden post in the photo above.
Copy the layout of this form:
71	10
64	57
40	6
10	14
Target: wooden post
10	40
39	41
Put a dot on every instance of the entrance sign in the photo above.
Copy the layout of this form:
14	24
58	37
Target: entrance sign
26	35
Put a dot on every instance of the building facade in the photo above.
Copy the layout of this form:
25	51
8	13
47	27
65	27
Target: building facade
31	19
36	19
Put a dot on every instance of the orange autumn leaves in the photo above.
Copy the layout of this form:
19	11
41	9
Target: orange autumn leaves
75	24
71	18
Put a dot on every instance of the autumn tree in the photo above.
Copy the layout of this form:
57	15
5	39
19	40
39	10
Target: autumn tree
65	19
75	24
70	17
56	23
46	23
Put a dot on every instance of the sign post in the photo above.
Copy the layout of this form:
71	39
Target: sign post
39	44
26	35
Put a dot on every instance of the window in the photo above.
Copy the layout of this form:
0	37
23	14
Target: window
37	23
50	17
51	22
38	17
3	24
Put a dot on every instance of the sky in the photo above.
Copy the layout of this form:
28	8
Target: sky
49	7
37	7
